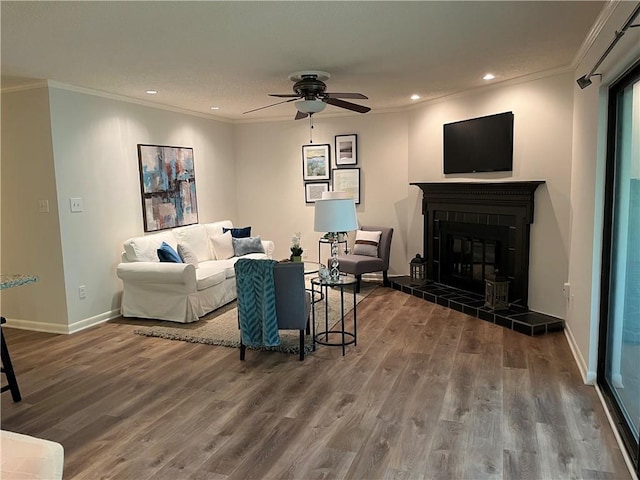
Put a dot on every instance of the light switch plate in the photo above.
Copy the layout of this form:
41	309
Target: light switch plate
76	205
43	206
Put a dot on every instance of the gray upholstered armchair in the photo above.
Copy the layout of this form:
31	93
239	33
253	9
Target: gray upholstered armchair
292	301
359	264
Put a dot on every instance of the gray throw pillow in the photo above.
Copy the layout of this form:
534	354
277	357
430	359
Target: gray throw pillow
244	246
187	255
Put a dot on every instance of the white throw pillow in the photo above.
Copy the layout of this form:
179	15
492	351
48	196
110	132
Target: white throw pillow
222	246
195	236
187	255
366	243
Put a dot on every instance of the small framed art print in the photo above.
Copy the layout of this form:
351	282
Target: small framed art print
346	151
316	162
313	191
347	180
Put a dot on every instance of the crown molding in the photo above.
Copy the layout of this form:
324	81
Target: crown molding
596	29
27	86
123	98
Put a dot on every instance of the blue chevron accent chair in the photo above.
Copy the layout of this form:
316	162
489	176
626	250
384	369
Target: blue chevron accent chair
259	292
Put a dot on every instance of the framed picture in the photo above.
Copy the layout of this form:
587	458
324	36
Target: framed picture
313	191
316	162
168	186
347	180
346	150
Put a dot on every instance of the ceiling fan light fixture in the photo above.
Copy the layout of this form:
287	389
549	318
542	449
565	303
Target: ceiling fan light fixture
310	106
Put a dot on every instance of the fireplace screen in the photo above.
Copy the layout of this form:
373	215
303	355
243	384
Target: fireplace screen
472	259
471	253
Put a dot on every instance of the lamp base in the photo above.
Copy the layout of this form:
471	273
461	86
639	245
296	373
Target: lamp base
334	273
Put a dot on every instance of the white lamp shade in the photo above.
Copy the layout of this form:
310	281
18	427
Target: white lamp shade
310	106
335	215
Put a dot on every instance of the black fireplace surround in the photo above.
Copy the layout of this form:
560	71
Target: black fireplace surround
472	229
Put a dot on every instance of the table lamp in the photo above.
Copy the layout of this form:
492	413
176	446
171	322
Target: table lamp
335	212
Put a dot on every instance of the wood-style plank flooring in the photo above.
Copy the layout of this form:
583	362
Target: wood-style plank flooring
428	393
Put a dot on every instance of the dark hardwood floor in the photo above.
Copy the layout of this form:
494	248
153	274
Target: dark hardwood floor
428	393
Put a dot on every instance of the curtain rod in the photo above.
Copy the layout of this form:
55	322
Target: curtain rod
585	80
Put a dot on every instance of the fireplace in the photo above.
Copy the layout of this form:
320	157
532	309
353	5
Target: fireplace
473	230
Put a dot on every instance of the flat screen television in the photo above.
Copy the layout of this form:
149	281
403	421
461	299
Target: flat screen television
483	144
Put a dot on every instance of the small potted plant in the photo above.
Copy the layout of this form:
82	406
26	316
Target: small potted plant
296	249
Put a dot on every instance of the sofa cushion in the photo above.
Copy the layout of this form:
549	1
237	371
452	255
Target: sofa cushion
187	255
366	243
244	246
222	246
166	253
243	232
209	274
145	249
194	236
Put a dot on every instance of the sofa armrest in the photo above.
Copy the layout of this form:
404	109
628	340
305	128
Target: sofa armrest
269	246
159	273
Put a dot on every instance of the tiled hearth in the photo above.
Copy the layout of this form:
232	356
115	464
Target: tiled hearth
515	318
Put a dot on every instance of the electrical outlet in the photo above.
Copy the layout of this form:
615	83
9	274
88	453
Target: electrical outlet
43	206
76	205
82	292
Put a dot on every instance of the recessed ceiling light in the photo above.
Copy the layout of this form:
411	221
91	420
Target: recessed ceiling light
489	76
215	108
152	92
415	97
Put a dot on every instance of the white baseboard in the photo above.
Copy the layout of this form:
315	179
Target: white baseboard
37	326
588	377
92	321
62	329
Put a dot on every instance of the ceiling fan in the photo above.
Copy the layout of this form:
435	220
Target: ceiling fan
312	97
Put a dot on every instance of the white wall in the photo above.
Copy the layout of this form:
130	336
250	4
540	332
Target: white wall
588	160
95	158
542	151
30	240
271	190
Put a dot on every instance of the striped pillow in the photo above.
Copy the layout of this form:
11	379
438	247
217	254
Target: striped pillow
366	243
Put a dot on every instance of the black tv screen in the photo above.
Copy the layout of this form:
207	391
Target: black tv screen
483	144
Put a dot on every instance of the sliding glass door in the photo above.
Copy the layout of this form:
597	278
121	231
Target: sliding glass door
619	350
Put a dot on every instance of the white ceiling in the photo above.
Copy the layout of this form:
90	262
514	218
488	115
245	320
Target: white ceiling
232	54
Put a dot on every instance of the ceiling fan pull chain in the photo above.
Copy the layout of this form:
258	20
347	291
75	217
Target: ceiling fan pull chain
310	128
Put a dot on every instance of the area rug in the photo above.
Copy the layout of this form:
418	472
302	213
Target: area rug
221	326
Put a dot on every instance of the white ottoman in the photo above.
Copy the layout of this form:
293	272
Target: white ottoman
23	457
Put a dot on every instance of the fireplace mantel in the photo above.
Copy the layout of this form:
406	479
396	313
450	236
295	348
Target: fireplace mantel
508	204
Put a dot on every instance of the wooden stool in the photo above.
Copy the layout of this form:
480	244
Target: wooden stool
7	368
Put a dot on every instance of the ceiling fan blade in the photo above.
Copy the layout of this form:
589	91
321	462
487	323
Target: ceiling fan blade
346	95
284	95
272	105
301	115
348	105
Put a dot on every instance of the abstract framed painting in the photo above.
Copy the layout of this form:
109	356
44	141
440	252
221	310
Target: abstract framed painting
316	162
346	150
168	186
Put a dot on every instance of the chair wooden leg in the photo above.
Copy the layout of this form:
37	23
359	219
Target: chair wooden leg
301	345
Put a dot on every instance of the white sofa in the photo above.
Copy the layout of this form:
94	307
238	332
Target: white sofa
178	292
